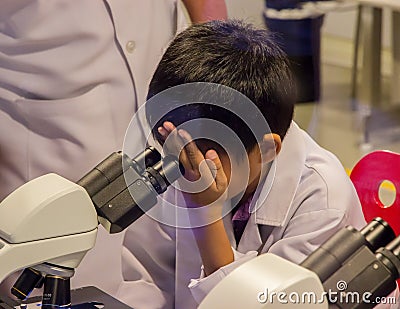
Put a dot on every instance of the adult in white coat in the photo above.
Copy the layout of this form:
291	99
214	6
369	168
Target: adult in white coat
72	74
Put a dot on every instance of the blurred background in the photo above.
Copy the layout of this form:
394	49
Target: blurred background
347	119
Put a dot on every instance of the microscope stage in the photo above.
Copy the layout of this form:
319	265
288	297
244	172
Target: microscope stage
83	298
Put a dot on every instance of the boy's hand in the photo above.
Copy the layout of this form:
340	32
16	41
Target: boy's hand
206	182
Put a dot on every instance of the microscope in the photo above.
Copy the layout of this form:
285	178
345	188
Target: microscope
48	224
351	270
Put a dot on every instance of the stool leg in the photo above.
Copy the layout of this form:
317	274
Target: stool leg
356	49
395	84
370	89
372	28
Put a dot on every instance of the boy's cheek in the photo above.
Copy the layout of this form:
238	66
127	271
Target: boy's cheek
238	183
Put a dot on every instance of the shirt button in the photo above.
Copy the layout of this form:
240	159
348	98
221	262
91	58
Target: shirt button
130	46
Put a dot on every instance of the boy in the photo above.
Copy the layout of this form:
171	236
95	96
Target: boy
295	196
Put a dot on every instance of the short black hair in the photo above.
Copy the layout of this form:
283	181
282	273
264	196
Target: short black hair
234	54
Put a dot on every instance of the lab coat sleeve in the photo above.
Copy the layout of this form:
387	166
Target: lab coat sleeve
148	265
202	286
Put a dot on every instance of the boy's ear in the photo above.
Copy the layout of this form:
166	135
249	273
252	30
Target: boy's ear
270	147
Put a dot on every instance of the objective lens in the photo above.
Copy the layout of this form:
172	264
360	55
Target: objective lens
26	282
57	292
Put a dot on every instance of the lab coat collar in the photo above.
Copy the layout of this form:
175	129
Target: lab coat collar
277	193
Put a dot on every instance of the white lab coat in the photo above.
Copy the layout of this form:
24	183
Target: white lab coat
72	74
310	199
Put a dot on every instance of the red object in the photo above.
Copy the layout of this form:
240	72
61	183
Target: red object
368	175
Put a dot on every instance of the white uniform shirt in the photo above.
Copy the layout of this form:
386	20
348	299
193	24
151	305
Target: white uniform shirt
72	74
310	199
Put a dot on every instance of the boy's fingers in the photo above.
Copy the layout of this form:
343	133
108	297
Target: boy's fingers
162	132
216	169
193	153
169	126
172	142
181	144
184	160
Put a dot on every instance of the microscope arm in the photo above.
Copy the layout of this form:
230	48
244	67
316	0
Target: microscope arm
266	282
48	219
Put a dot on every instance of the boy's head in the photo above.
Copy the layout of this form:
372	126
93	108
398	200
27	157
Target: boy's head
236	55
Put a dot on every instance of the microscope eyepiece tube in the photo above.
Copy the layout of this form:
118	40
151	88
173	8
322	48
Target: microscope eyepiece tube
390	256
114	166
331	255
394	247
123	189
103	174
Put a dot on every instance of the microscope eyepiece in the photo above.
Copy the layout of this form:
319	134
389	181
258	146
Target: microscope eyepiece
377	233
163	173
149	157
